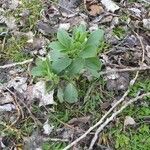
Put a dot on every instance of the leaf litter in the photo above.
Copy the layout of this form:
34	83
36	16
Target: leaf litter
121	50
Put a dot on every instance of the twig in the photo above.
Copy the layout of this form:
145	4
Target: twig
104	117
17	63
115	114
142	46
146	1
126	70
60	140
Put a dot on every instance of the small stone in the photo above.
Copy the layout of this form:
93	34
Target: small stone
65	26
146	23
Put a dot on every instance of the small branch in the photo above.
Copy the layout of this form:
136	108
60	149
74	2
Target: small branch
114	115
146	1
60	140
126	70
17	63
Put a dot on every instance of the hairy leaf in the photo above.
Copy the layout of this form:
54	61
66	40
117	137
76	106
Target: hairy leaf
64	38
71	93
57	46
61	64
89	51
76	66
95	38
93	63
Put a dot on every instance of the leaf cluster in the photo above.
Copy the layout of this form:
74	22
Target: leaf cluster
70	55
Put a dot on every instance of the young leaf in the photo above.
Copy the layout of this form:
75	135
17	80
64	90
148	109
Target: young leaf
40	69
81	29
71	93
95	37
76	66
38	72
94	73
93	63
61	64
64	38
60	95
55	54
89	51
57	46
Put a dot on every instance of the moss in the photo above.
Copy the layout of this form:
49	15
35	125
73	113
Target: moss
14	49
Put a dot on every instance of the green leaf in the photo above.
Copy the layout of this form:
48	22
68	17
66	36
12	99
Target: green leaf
93	63
80	29
64	38
94	73
60	95
55	54
89	51
71	93
95	37
41	68
76	66
57	46
38	72
61	64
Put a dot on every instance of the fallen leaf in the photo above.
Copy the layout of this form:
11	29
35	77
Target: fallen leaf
68	7
18	83
129	121
45	28
95	9
39	92
79	120
7	107
5	98
110	5
106	19
130	41
136	11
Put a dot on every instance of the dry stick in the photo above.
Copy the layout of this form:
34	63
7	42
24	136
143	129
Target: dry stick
142	46
17	63
132	69
104	117
116	113
146	1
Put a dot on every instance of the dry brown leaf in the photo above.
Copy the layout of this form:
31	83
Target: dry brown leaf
95	9
6	98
